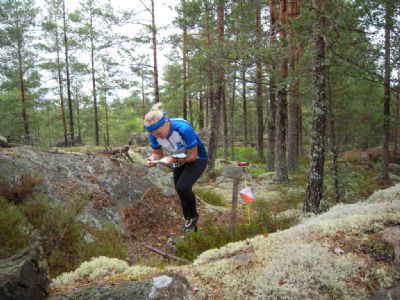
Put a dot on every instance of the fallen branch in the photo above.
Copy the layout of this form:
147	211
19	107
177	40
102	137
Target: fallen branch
116	152
167	255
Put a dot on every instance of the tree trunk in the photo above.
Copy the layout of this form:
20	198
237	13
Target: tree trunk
316	173
281	116
244	100
201	111
301	144
235	192
71	113
335	154
95	105
259	84
209	67
272	92
225	122
60	89
78	114
232	115
190	108
26	137
396	132
154	41
293	128
216	104
184	62
107	124
143	95
386	97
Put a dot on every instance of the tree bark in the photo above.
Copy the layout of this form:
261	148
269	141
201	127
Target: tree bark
259	84
61	91
294	103
332	127
93	71
225	122
316	173
272	92
209	68
77	113
143	95
232	115
216	104
70	107
235	191
26	137
154	41
396	131
386	96
244	106
107	124
184	63
281	117
201	111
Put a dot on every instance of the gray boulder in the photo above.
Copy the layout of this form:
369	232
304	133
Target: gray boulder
168	286
24	275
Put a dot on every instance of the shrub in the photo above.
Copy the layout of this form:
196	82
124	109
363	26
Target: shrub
63	237
21	191
107	241
14	234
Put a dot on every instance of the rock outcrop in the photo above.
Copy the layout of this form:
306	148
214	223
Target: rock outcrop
166	286
108	184
24	275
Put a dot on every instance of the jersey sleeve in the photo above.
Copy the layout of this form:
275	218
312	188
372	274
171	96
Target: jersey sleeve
189	136
153	143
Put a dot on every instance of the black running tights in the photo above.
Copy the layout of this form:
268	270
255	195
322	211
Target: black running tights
184	178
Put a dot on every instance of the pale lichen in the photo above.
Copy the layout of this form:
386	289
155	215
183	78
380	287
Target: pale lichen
103	267
299	263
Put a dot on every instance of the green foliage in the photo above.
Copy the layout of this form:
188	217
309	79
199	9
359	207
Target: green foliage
209	196
355	181
257	170
62	236
14	234
248	154
107	241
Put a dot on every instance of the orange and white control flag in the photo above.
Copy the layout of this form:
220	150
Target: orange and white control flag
247	195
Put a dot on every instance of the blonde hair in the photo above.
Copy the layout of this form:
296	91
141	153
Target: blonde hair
154	115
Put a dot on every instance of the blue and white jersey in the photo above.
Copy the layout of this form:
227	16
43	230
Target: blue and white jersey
181	138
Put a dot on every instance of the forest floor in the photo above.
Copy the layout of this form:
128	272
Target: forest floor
157	220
